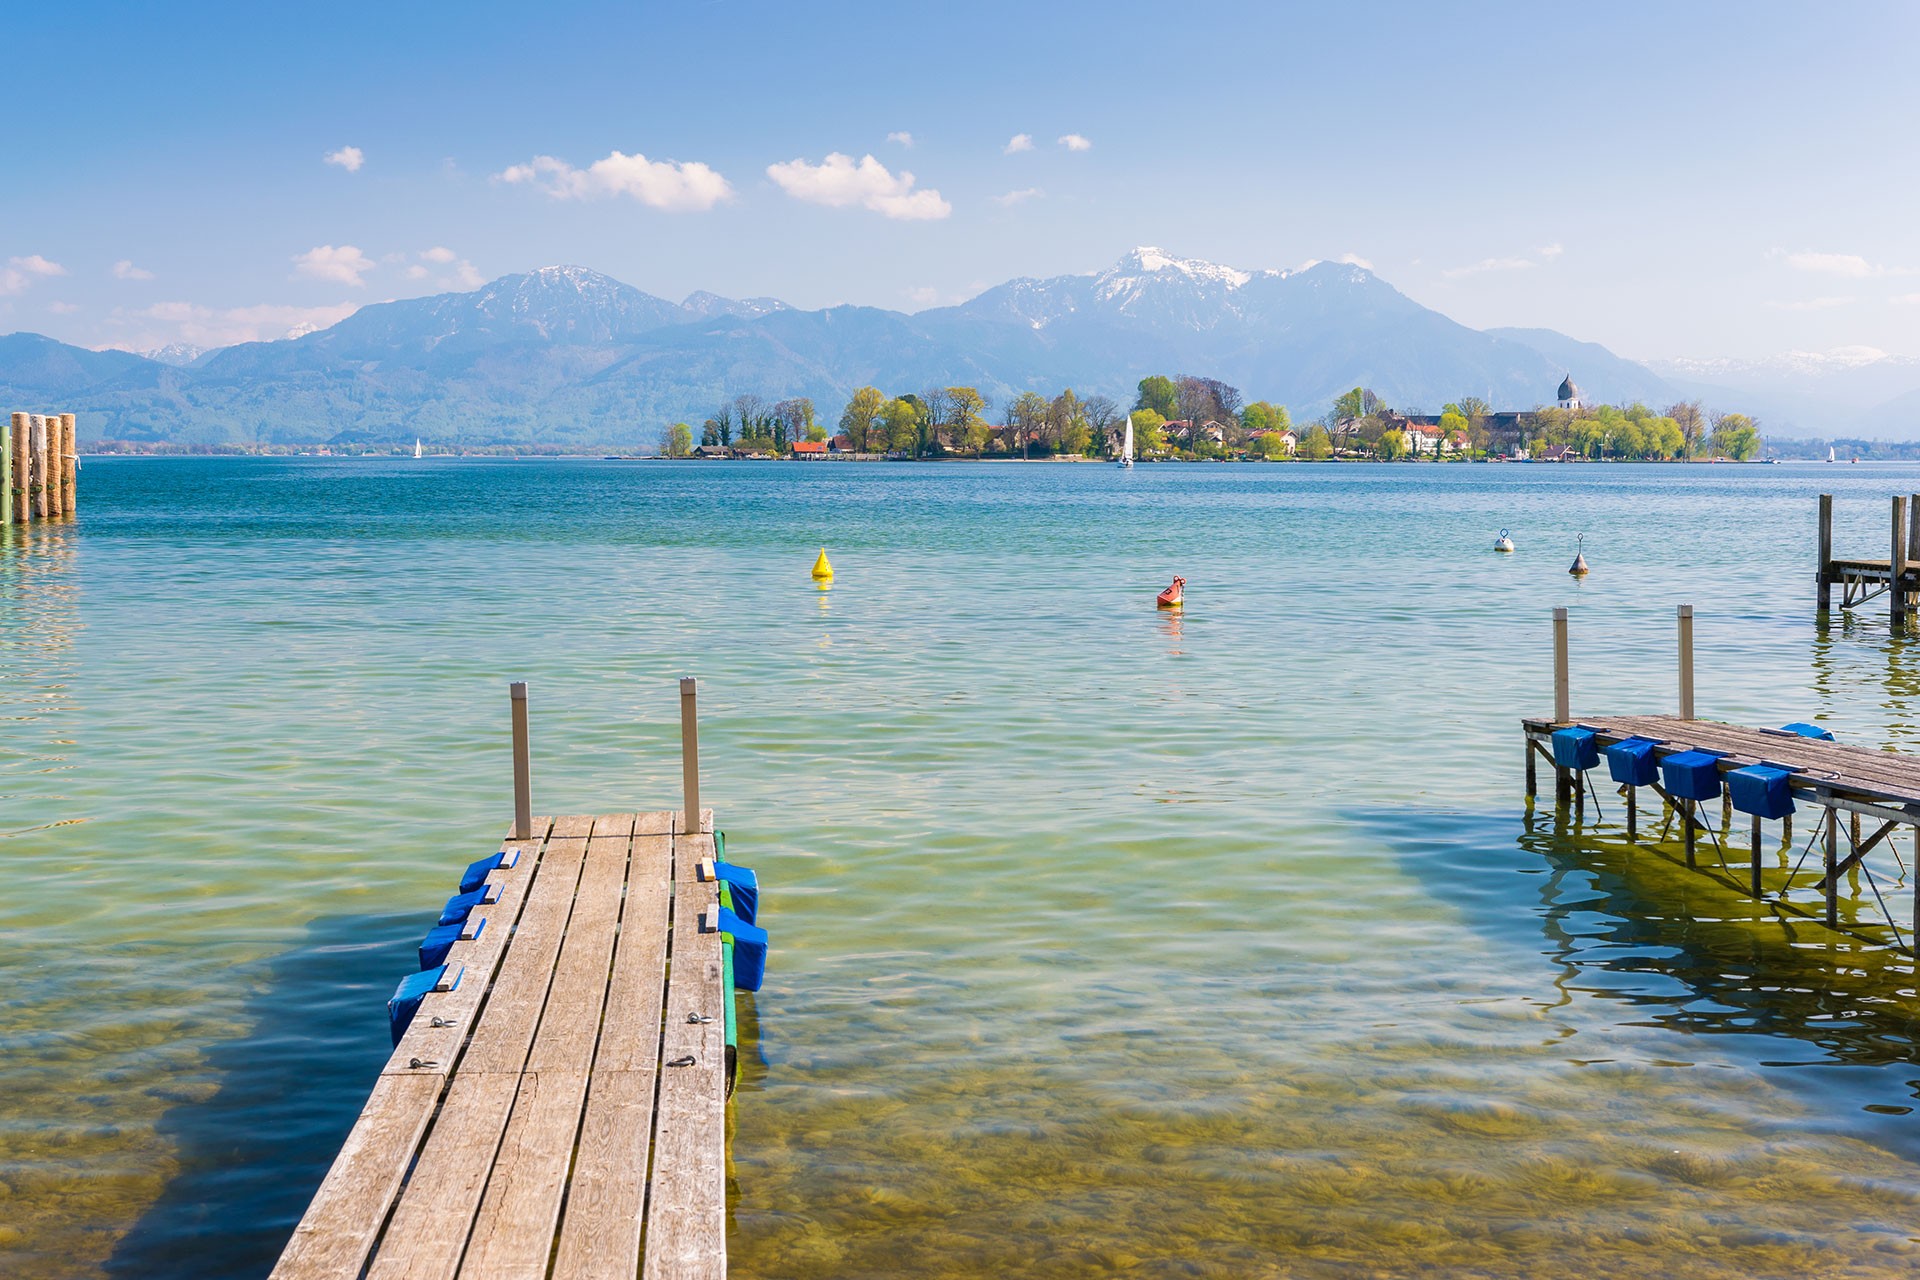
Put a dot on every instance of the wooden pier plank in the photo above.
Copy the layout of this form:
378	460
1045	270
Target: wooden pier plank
514	1228
502	1038
686	1237
431	1223
601	1229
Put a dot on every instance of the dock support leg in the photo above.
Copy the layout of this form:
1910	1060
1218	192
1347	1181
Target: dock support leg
1756	857
1896	587
1533	786
1633	814
690	753
1686	825
1823	589
1562	791
1726	817
522	764
1832	885
1579	796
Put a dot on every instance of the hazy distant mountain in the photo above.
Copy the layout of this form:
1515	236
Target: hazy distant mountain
565	355
179	354
1849	391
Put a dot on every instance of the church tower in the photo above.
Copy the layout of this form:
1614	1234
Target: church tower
1570	394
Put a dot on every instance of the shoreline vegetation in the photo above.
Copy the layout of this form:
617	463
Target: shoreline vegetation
1184	419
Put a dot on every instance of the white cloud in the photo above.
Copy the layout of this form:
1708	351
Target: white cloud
1551	251
125	270
925	296
1813	304
348	158
1905	299
467	276
1012	198
659	184
189	322
1075	142
1018	142
1355	260
20	272
902	137
1850	265
417	272
1489	264
439	253
342	265
839	182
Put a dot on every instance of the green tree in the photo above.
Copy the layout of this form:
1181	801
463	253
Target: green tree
966	413
1349	404
1158	394
861	413
1273	445
1261	416
1025	416
1392	445
1691	421
1149	432
677	440
1453	424
1316	445
1067	424
901	423
1735	436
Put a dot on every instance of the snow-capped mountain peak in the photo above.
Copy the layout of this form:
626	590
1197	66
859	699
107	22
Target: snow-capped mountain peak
1149	259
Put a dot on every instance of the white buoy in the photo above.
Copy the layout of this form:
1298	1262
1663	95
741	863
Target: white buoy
1579	568
1503	542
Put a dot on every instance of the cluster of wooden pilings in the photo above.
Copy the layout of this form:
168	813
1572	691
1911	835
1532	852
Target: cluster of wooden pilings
38	466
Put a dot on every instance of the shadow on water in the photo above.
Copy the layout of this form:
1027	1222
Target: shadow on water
251	1156
1821	1011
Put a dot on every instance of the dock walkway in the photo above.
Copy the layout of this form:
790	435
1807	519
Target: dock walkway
561	1110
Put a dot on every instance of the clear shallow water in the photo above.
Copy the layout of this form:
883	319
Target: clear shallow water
1104	942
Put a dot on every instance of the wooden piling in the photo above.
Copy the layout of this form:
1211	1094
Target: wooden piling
1533	785
1633	813
1831	884
1896	588
1685	619
690	753
1823	581
7	430
38	487
522	764
1687	824
1756	856
56	465
1562	688
70	464
22	468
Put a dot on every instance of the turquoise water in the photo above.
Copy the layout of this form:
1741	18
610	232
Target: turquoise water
1105	942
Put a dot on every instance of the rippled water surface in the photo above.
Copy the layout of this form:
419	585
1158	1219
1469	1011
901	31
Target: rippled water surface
1105	942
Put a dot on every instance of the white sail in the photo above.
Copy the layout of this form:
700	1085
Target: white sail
416	447
1126	449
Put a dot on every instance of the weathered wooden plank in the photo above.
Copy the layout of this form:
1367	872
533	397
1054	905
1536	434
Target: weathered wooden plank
431	1223
1890	776
505	1030
657	823
440	1046
514	1229
337	1232
600	1231
686	1236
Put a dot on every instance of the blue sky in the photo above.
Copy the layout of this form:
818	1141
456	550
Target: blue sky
1671	180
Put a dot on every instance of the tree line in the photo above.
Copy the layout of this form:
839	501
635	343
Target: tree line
1195	417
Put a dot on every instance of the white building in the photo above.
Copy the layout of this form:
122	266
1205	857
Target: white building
1570	394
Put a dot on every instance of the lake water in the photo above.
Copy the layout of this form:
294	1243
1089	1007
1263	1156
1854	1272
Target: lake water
1104	942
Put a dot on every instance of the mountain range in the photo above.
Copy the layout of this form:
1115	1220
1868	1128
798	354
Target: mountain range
568	357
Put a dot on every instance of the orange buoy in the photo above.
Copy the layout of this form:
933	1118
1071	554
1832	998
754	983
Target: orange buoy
1174	596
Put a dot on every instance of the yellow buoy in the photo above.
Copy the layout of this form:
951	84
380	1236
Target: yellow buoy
823	568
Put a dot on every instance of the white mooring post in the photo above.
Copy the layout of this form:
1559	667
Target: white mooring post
690	754
1686	661
1562	688
522	764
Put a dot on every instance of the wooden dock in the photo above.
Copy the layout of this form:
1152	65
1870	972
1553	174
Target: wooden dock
556	1107
1863	579
1866	785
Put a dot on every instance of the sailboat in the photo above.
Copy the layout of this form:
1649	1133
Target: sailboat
1829	453
416	448
1126	448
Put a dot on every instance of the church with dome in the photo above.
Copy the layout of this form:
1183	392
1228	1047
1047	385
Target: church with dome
1570	394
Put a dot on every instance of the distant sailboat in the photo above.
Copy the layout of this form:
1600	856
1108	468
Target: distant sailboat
1126	448
416	448
1829	453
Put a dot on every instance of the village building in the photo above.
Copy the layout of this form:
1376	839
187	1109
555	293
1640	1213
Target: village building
809	449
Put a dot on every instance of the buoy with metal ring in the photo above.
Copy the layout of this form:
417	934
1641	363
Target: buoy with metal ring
1503	542
1579	567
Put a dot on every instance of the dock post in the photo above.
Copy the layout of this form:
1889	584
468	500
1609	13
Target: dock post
1533	786
522	764
1686	661
1823	581
1562	700
7	429
1896	585
56	463
1756	857
21	468
690	752
70	463
1833	860
1687	822
38	488
1633	813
